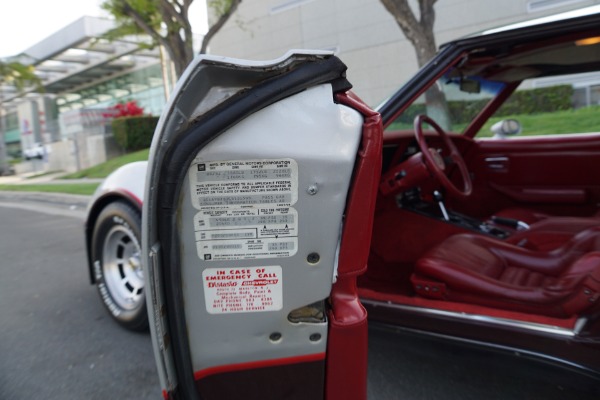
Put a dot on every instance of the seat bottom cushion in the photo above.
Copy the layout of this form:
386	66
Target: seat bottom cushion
481	270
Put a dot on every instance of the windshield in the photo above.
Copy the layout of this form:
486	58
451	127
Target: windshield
452	101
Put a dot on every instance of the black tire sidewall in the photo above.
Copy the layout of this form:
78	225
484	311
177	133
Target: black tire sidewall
116	214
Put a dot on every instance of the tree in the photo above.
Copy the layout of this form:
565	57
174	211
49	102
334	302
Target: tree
20	77
222	9
167	23
419	32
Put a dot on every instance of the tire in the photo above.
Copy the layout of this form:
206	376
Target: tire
118	272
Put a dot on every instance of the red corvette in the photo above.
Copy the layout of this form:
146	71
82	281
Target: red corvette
279	211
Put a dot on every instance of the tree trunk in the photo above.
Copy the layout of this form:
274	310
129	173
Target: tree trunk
181	54
223	18
419	33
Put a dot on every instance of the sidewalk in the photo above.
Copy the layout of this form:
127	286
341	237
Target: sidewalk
56	199
50	199
52	178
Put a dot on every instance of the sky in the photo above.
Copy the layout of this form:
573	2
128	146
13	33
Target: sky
24	23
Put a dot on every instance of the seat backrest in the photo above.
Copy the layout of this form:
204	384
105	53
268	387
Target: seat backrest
584	276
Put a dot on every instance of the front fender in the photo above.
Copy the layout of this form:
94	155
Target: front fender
125	184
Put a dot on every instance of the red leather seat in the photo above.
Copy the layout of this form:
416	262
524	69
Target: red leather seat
482	270
550	233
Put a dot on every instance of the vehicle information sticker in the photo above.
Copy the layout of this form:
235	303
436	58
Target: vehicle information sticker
225	184
242	290
246	233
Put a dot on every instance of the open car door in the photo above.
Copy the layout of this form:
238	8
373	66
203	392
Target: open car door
257	220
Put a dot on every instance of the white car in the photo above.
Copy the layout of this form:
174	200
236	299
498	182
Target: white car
275	213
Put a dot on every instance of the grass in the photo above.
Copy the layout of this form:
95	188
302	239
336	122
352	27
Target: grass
104	169
97	171
569	121
70	188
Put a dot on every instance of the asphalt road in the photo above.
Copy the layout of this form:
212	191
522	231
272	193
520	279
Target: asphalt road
58	342
56	339
406	366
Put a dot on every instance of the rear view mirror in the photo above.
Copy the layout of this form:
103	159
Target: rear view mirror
470	86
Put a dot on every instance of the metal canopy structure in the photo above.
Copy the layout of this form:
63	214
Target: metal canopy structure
77	57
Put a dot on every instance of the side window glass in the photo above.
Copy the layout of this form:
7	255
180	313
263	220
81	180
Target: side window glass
549	106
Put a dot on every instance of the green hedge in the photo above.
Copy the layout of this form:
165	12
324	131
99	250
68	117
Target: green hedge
531	101
134	133
534	101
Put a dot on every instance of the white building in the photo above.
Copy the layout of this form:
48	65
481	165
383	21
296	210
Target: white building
363	34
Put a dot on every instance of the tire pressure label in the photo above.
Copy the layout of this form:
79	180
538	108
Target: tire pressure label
242	290
246	233
233	184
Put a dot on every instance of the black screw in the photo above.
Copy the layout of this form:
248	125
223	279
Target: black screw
275	337
315	337
313	258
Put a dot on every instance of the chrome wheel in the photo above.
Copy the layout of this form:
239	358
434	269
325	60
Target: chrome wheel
122	266
117	267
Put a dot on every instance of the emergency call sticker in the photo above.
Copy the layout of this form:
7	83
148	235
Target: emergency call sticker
242	290
246	233
226	184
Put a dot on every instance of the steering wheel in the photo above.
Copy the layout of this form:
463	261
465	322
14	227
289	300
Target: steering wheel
434	161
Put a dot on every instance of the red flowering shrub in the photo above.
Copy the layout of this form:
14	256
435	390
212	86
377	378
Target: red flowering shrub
129	109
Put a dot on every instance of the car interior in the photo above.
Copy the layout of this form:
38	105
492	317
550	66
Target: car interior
504	226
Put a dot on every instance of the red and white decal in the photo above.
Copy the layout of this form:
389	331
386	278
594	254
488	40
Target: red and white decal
242	290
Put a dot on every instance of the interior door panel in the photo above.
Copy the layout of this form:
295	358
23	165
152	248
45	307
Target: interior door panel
553	174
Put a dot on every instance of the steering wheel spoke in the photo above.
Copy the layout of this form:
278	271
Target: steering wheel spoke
434	161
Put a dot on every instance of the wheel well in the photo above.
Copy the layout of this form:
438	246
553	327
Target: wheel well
92	217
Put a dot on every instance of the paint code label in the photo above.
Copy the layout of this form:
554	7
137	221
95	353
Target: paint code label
248	233
232	184
248	289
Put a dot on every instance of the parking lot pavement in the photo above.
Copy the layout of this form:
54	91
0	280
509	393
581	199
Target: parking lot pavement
56	339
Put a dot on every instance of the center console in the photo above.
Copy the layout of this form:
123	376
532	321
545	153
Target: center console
439	212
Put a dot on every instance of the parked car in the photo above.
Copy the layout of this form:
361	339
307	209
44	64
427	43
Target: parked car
38	150
277	211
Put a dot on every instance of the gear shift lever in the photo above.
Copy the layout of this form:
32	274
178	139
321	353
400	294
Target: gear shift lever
439	198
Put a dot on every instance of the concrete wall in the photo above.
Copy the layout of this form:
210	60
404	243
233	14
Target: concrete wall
70	155
90	150
62	157
90	140
363	33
